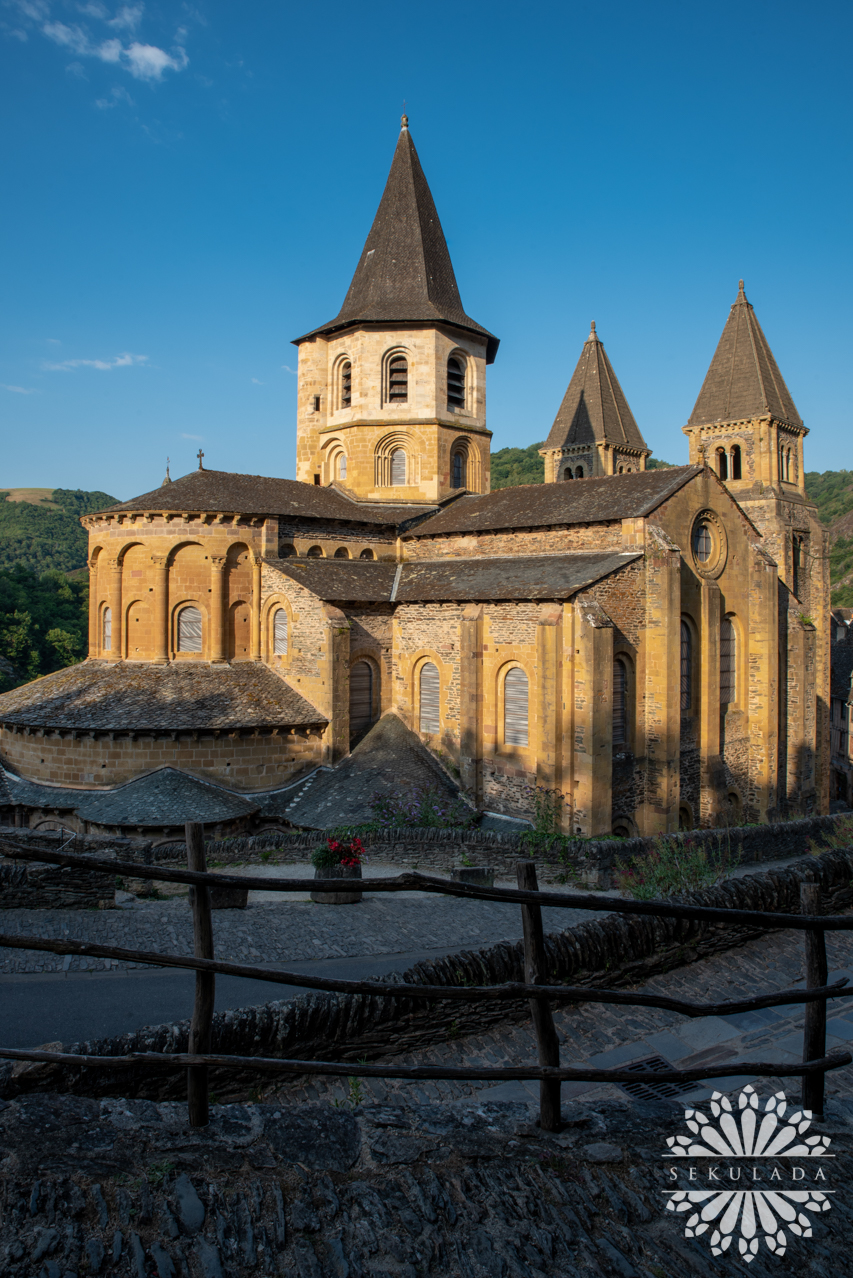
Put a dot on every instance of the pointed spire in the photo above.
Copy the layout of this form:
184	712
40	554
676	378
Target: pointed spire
743	380
168	478
405	273
594	408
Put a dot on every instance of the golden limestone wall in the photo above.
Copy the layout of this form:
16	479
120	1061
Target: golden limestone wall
372	426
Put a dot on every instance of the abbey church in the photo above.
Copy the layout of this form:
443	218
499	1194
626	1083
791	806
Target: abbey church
653	644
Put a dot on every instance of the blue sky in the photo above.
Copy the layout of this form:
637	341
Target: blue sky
188	187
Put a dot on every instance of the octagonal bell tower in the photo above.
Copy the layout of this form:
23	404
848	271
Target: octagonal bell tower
392	392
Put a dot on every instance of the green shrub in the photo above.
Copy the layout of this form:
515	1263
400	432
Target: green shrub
672	867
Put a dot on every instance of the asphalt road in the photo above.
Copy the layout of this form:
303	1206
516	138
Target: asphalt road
76	1007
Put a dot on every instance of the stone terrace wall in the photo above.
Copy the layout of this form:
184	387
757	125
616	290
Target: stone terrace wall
607	951
36	885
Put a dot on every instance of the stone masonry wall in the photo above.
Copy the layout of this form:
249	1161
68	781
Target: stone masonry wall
512	541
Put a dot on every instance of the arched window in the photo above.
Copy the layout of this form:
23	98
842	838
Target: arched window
736	463
398	468
189	630
567	473
367	554
398	380
279	633
685	817
287	551
620	470
341	553
579	472
459	469
315	552
702	543
360	697
430	699
686	666
722	463
346	384
728	662
620	705
341	465
107	629
516	697
455	383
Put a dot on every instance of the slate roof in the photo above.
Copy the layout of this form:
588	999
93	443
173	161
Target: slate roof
233	494
587	501
492	577
594	408
136	696
405	273
841	665
743	380
389	757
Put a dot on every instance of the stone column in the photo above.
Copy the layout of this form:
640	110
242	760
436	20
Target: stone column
255	652
337	637
217	643
114	603
94	639
657	707
471	700
160	570
711	774
764	661
549	690
593	739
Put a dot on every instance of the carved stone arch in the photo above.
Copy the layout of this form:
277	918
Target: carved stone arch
175	550
342	377
200	604
335	461
397	368
387	463
270	630
515	728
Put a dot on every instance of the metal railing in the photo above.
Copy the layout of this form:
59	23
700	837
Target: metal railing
199	1058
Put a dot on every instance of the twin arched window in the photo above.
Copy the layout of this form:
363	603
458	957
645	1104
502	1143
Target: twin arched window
729	464
279	633
430	699
189	630
516	707
455	383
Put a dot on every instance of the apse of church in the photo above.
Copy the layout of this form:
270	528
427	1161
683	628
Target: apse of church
649	645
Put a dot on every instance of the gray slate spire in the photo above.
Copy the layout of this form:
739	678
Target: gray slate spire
405	274
594	408
744	379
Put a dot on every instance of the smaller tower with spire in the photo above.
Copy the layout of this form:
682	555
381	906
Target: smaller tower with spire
594	432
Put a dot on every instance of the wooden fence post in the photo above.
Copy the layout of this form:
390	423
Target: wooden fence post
814	1030
535	973
205	982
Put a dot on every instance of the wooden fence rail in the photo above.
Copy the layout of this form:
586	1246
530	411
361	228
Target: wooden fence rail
198	1060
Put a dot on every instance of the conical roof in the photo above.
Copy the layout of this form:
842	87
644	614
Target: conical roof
594	408
405	274
744	379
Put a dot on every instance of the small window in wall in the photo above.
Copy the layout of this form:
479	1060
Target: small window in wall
189	630
398	380
620	705
686	666
685	817
728	663
315	552
342	465
398	468
287	550
737	472
459	468
430	694
722	464
360	697
516	698
279	633
341	553
455	383
346	384
107	629
367	554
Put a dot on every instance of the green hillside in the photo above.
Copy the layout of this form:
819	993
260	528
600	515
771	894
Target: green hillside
43	623
832	493
45	533
513	466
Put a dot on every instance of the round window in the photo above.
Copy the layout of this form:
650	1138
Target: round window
702	543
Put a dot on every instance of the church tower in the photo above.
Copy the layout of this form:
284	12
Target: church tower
392	391
746	427
594	432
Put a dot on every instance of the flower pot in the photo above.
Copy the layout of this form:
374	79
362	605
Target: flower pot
337	872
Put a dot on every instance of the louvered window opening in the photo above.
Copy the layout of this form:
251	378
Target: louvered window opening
459	469
398	468
189	630
728	663
455	384
620	705
516	702
342	466
398	380
686	665
702	543
430	694
279	633
346	386
360	696
108	629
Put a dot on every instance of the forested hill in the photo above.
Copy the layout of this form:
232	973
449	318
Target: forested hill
43	531
513	466
832	493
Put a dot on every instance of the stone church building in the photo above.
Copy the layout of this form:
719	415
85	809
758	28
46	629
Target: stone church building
653	644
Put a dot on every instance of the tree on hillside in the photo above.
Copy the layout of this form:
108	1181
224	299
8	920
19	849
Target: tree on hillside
42	538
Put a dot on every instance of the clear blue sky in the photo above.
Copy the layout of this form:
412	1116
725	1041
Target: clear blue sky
188	186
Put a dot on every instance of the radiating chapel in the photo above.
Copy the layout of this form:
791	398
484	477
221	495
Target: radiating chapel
651	643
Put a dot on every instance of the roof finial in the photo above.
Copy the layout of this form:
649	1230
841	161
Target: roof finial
740	286
200	456
168	478
404	121
593	336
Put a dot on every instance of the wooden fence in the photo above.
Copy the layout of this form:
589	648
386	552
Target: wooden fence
199	1058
